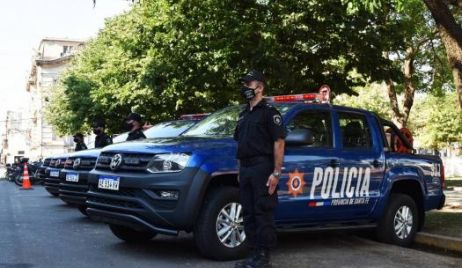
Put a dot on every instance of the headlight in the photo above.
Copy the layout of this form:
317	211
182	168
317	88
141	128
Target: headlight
168	163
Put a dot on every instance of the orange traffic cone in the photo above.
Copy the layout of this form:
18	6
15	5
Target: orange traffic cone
25	179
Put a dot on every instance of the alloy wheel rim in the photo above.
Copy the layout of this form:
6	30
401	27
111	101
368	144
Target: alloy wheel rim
403	222
230	225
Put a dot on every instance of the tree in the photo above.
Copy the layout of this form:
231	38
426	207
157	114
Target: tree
450	31
164	58
371	97
451	35
419	57
437	122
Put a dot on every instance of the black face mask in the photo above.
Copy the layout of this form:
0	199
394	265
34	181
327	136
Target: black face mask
128	126
97	131
76	140
247	92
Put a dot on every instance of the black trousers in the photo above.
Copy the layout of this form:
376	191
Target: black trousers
258	205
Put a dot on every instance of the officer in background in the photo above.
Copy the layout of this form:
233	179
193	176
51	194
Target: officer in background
101	139
260	137
133	124
79	144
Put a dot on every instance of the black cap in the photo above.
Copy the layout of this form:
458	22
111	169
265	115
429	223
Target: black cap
253	75
98	123
134	117
78	135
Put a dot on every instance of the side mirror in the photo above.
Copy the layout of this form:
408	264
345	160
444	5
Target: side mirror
299	137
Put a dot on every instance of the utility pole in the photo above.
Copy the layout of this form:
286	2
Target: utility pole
5	141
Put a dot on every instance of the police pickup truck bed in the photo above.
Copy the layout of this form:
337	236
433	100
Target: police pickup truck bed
339	171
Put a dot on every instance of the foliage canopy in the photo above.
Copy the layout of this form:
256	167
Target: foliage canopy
165	58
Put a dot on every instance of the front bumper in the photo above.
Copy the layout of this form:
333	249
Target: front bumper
74	193
138	205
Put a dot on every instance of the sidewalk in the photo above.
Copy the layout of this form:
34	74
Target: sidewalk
443	228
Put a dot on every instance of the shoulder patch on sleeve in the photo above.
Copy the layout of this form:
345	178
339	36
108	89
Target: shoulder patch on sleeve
277	119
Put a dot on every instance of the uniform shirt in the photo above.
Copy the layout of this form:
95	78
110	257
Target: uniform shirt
135	135
102	140
257	130
80	146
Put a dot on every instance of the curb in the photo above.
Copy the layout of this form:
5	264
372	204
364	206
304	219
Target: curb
439	241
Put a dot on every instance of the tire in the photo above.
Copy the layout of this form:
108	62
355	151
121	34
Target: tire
404	205
18	180
130	235
207	227
83	210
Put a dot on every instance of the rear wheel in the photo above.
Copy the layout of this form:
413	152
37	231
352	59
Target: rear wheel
219	231
400	222
130	235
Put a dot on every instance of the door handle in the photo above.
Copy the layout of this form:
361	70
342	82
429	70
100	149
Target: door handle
334	163
376	163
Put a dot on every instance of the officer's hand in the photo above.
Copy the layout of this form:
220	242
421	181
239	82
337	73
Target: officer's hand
272	183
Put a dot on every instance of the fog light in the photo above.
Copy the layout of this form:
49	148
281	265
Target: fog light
168	195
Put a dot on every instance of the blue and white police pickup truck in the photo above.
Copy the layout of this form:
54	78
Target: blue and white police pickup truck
340	170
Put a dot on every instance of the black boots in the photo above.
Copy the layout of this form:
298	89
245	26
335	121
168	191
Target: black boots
248	261
259	258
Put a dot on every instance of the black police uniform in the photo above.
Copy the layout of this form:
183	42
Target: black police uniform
256	132
102	140
135	135
80	146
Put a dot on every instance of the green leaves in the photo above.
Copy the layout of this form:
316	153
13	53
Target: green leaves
165	58
438	121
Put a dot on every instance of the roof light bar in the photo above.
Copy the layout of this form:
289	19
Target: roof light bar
322	97
194	116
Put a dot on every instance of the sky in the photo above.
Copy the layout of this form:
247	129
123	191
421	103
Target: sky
23	23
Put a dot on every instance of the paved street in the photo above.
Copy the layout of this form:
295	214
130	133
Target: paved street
37	230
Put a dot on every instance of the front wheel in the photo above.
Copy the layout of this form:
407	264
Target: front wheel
400	222
18	180
219	231
130	235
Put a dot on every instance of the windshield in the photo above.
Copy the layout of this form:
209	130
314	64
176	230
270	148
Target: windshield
161	130
223	122
120	138
169	129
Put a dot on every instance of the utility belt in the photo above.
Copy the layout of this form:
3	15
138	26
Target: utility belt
252	161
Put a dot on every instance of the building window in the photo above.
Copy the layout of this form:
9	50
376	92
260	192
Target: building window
67	50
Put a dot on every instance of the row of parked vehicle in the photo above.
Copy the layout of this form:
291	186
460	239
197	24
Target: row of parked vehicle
341	169
66	175
15	171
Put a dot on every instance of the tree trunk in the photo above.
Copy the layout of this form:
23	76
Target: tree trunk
397	116
451	36
409	88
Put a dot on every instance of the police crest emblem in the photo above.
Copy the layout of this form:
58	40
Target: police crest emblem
296	183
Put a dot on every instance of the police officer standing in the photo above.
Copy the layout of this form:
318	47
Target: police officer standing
101	139
260	136
79	144
133	123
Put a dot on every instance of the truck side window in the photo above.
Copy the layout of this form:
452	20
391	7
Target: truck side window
355	131
318	122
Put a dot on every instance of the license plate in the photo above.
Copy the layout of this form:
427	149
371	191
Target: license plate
72	177
54	173
109	183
